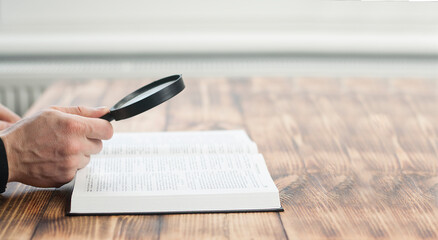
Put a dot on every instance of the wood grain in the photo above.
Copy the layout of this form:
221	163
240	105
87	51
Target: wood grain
352	158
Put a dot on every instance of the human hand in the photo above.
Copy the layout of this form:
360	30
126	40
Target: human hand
7	117
46	149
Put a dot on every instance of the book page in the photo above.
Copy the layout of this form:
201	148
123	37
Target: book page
159	138
161	174
203	142
189	148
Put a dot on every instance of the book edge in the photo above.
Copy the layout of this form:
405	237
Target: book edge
280	209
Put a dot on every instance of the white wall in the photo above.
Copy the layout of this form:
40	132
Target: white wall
226	26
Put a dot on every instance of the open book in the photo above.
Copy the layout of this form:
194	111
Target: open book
175	172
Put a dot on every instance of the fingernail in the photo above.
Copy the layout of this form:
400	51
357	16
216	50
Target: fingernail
101	108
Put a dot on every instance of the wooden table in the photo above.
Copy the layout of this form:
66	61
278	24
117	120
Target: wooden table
352	158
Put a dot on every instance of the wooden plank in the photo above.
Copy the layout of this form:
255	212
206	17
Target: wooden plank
354	186
352	158
21	209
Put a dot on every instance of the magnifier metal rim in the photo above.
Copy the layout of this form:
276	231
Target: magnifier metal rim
119	112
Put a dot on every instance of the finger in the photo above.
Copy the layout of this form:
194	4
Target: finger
7	115
83	161
84	111
4	125
97	128
92	146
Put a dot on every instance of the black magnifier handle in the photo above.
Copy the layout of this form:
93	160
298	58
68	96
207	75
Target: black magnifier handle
109	117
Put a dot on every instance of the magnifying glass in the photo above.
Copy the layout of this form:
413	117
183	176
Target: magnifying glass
146	98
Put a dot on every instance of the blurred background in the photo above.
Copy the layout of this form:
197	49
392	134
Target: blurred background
42	41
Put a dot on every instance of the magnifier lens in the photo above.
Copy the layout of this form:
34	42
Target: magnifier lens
145	98
146	94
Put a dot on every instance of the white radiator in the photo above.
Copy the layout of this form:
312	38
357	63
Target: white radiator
20	96
22	79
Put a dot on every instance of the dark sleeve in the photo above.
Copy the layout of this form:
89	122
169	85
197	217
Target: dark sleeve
4	171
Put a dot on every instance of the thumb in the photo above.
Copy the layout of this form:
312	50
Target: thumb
84	111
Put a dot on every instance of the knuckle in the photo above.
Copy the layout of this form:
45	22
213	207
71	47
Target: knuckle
50	116
70	164
70	148
49	113
73	126
80	109
74	147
